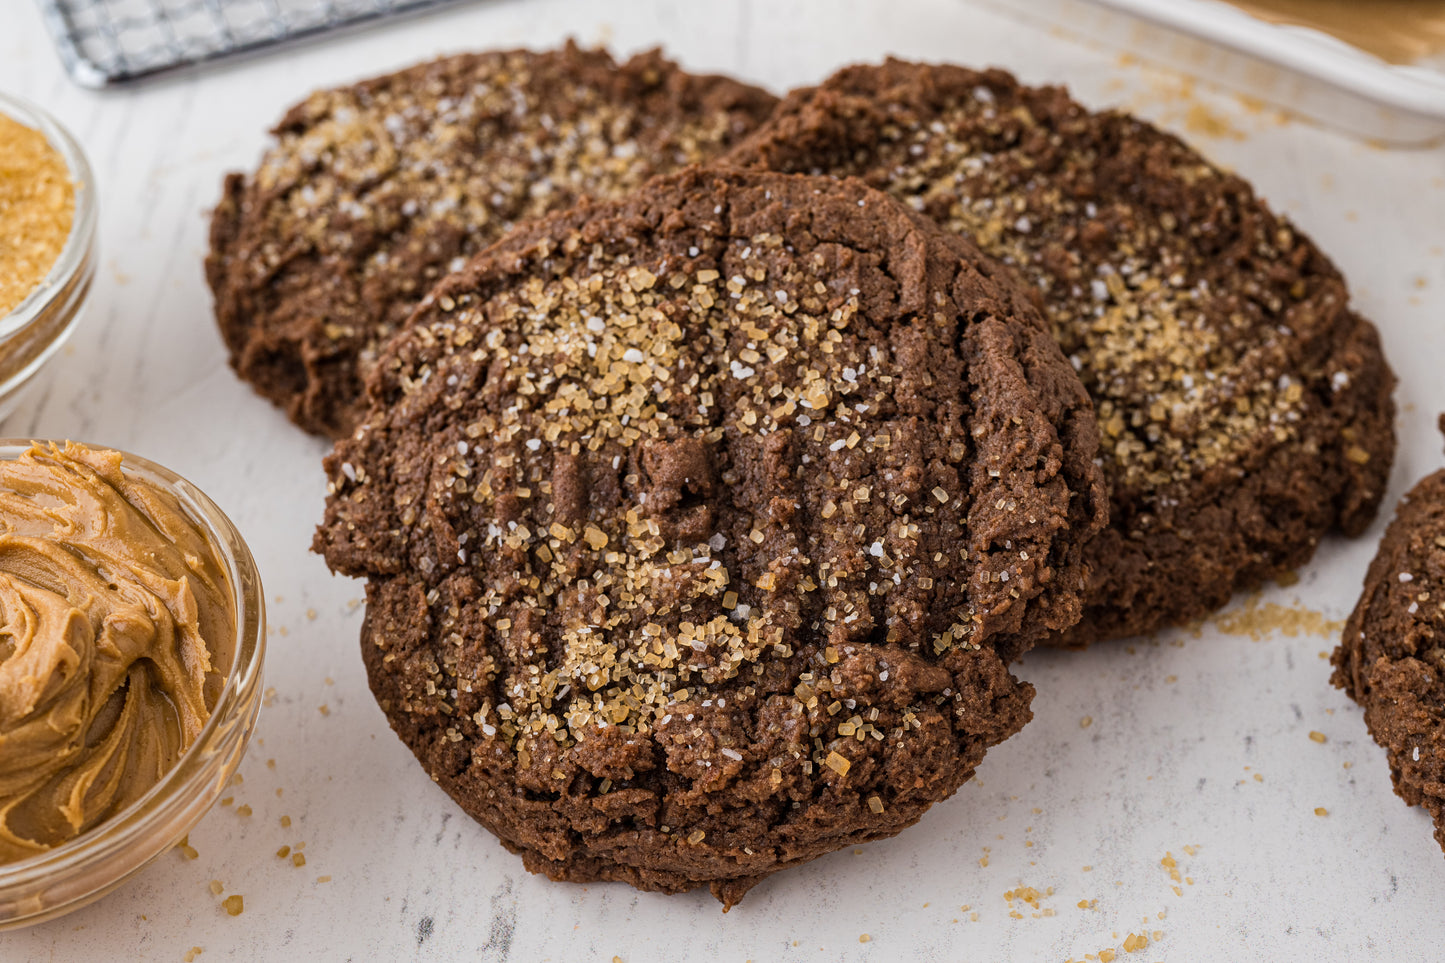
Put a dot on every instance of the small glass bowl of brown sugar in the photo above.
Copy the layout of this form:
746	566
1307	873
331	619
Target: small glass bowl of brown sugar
185	558
47	242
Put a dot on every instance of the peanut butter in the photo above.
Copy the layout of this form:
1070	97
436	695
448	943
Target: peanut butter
1397	31
116	631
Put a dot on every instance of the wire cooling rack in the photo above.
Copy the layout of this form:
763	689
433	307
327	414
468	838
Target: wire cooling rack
106	42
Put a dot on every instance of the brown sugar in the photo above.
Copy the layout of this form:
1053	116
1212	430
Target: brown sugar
37	205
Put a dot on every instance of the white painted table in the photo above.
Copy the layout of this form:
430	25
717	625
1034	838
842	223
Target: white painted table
1196	741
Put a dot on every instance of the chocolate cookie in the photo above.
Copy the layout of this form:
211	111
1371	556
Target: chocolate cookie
372	192
700	527
1245	410
1392	657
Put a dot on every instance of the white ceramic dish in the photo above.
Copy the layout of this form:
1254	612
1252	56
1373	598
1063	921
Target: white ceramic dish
1298	68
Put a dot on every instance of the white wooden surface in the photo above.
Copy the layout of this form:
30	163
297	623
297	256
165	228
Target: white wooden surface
1181	725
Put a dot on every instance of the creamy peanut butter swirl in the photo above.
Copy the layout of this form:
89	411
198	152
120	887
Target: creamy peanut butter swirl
116	630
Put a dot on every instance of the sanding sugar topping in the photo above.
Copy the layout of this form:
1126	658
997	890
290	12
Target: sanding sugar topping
630	407
383	171
1183	375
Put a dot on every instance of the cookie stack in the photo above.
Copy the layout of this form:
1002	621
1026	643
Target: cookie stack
702	517
1244	409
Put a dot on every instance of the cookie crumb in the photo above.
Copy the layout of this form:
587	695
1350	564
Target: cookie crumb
1257	620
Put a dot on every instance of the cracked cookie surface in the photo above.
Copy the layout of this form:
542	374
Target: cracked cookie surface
374	191
699	528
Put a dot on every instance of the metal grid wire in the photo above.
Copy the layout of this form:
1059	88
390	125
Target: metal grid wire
111	41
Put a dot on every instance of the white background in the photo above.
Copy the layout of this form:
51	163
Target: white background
1181	724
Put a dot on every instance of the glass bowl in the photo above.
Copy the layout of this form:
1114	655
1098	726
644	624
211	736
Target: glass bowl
89	866
38	326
